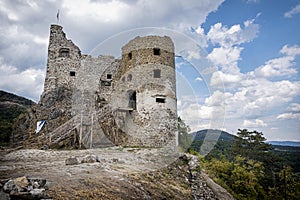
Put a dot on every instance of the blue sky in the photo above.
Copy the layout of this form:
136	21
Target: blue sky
239	59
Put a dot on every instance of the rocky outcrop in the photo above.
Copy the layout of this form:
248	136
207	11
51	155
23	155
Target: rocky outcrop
118	173
24	188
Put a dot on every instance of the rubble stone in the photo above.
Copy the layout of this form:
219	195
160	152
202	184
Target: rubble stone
72	161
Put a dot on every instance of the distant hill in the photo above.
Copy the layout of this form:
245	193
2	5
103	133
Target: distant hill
11	106
284	143
212	134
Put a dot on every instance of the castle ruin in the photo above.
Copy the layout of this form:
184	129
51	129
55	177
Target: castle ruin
93	102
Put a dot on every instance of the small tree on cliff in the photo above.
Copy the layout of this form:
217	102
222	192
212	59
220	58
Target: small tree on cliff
184	138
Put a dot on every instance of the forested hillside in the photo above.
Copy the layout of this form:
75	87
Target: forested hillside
246	165
11	106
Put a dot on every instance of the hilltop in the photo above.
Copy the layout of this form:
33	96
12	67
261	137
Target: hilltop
11	107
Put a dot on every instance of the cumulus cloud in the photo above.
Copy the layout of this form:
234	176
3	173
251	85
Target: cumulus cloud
24	26
254	123
228	54
220	80
227	37
281	66
292	12
294	107
286	116
26	83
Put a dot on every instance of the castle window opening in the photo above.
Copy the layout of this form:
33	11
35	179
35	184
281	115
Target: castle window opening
130	56
156	51
132	99
72	73
64	52
157	73
160	100
108	76
129	77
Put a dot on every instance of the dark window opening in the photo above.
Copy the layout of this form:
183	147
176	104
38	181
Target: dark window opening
129	77
72	73
109	76
64	52
105	83
156	51
160	100
132	99
156	73
130	56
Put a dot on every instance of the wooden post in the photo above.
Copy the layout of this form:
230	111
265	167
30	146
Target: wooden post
80	132
91	136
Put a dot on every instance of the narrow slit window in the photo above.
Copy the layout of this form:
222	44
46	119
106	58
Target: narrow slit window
108	76
130	56
157	73
129	77
160	100
156	51
72	73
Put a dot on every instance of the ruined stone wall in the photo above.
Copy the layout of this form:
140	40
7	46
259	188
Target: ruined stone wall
130	102
63	61
151	76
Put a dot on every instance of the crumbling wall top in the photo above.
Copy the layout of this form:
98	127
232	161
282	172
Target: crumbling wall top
147	42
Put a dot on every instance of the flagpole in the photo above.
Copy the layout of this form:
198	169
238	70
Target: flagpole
57	17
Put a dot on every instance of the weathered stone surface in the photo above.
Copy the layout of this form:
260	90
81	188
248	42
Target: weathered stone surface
90	159
72	161
4	196
37	182
9	186
24	188
21	182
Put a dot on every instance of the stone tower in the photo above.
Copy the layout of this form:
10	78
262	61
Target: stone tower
63	61
145	83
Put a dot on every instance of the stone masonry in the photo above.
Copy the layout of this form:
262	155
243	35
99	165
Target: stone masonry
92	102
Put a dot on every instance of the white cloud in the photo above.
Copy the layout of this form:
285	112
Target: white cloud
254	123
198	79
294	107
227	37
27	83
290	51
286	116
227	58
221	80
292	12
281	66
24	29
276	67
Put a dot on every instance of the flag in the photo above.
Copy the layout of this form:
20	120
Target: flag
39	125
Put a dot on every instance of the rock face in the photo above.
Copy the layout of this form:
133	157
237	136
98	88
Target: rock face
24	188
92	102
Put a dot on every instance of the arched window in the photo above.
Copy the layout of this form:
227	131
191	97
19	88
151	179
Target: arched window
130	56
64	52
